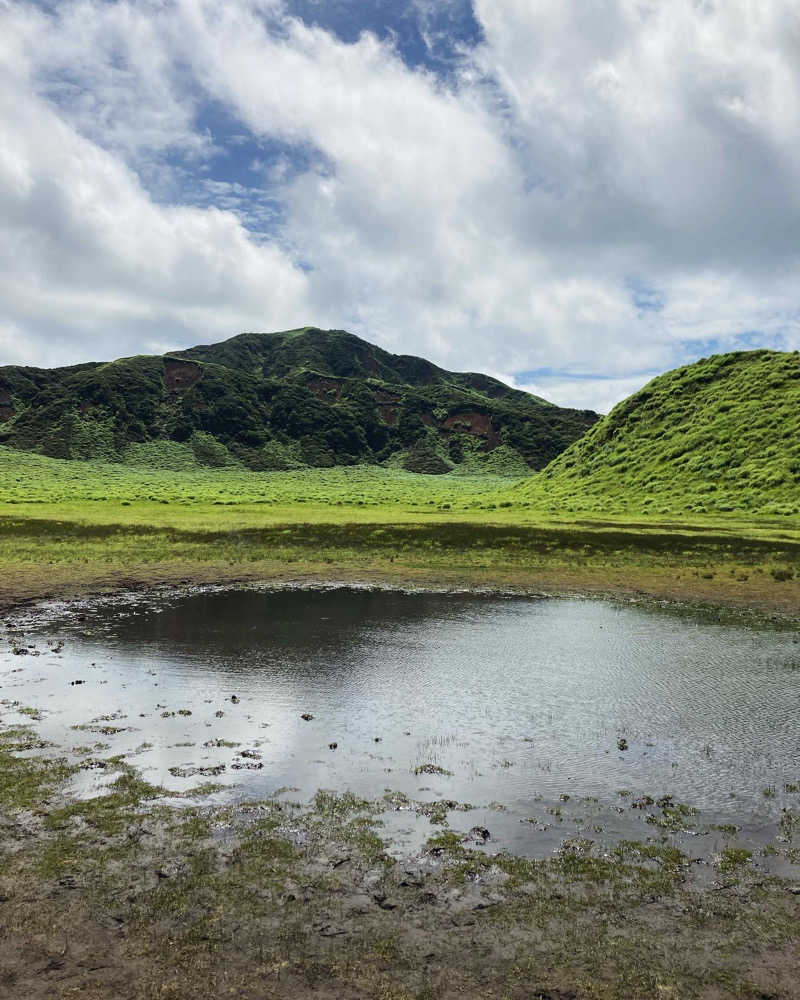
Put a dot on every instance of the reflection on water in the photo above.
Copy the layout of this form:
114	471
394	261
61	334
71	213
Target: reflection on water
523	701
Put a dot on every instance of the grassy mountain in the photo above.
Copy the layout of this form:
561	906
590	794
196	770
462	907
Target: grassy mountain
306	397
722	434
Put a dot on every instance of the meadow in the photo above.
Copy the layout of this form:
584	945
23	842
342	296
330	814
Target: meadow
71	528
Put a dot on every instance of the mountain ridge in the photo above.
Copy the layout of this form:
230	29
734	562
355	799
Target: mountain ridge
345	352
280	400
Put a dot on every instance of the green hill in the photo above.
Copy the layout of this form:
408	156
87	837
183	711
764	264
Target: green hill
306	397
722	434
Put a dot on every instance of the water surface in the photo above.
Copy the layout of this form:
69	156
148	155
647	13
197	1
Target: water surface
523	701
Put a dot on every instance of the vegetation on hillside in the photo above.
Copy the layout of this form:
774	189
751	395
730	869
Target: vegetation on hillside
30	479
720	435
281	401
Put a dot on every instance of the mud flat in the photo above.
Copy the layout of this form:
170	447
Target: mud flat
134	895
167	832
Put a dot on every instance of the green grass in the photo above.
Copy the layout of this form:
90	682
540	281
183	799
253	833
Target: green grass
718	436
70	528
27	782
35	479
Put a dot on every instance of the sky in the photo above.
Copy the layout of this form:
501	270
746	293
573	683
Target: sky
572	195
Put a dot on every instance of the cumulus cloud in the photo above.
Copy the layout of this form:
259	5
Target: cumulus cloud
598	190
91	266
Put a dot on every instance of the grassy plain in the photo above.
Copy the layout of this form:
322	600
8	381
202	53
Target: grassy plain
72	528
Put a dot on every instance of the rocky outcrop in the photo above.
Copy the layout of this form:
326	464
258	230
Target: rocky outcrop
326	388
6	404
179	375
475	423
386	396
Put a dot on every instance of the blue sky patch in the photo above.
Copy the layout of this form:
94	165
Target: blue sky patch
426	33
645	297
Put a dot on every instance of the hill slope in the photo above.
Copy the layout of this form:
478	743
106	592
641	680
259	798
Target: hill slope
304	397
722	434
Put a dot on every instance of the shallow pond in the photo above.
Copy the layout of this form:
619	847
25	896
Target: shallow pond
516	706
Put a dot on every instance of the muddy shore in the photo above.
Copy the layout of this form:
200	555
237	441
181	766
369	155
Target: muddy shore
139	894
777	609
131	895
47	558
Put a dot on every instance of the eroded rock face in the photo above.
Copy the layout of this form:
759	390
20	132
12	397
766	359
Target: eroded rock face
475	423
368	362
386	396
388	414
181	374
324	388
6	404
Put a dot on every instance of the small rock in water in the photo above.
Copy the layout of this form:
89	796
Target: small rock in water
234	699
307	716
190	772
477	835
622	743
73	683
332	746
378	739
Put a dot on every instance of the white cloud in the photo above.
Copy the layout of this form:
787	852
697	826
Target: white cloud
501	220
91	267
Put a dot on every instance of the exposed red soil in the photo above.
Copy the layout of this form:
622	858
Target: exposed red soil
181	374
477	424
6	404
325	387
